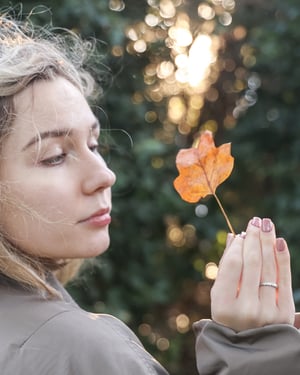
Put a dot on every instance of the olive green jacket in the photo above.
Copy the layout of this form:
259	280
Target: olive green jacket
271	350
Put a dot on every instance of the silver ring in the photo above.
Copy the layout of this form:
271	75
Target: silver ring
268	283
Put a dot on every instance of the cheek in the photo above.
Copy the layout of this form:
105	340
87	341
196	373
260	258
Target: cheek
22	209
34	221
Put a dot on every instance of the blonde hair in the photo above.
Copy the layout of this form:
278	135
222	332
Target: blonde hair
27	54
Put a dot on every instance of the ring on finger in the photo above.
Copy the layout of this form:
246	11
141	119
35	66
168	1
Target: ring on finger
268	283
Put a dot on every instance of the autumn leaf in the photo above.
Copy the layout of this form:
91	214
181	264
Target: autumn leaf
202	169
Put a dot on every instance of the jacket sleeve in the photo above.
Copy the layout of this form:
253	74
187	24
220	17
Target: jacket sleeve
273	349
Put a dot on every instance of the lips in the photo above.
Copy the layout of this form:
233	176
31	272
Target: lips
99	218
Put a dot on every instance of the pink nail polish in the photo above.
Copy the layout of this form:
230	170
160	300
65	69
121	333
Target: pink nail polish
266	225
256	221
280	244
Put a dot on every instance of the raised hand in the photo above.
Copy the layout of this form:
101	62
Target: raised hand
253	286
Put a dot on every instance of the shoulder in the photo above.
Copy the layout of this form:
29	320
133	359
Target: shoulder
91	344
45	337
77	330
74	323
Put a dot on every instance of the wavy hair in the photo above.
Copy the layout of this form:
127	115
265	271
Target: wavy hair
27	54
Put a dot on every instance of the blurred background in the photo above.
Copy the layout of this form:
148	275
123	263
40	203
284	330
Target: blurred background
169	69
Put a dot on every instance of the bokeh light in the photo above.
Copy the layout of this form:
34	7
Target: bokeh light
116	5
182	323
211	270
192	66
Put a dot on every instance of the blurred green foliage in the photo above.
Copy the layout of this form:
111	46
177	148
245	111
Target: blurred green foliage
146	279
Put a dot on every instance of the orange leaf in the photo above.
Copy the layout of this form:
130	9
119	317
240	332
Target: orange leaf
202	168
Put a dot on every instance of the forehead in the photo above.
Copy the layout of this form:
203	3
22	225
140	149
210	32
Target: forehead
50	105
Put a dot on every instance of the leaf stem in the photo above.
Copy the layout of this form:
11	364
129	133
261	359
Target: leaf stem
224	214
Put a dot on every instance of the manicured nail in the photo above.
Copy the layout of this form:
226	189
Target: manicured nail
280	244
256	221
266	225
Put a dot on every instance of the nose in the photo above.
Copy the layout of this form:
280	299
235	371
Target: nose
97	176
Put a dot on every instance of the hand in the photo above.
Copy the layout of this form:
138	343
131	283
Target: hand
238	300
297	320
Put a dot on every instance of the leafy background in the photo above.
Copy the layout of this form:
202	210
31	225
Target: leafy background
164	252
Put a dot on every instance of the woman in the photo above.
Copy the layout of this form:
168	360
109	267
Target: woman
55	209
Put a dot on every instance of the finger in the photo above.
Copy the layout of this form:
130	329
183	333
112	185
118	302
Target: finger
229	273
252	261
285	293
297	320
229	239
269	268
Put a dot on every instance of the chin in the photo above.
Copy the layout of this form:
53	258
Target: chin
96	250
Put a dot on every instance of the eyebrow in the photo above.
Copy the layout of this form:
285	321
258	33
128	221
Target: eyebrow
56	134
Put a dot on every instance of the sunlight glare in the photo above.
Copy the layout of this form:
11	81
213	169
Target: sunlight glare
167	9
206	12
132	34
200	57
181	60
140	46
165	69
181	36
151	20
176	109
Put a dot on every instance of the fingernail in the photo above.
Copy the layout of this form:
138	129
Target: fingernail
256	221
266	225
280	244
243	234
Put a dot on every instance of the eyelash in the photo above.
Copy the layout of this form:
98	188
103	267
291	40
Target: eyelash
59	159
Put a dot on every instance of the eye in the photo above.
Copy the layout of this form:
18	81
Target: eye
54	160
94	148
